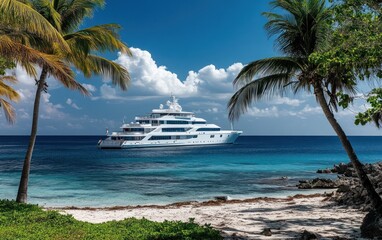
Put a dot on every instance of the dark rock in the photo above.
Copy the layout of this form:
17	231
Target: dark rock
266	232
306	235
343	188
221	198
372	226
324	170
317	183
341	168
351	192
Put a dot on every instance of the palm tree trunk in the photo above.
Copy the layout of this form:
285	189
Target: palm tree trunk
373	195
22	193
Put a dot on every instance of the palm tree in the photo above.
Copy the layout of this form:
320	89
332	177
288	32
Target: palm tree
299	33
66	16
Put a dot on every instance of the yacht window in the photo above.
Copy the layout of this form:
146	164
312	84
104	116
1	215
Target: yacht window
173	129
144	121
212	136
160	137
134	129
198	122
195	136
161	122
207	129
135	138
177	122
221	135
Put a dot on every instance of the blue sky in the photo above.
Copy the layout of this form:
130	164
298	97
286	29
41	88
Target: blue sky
191	48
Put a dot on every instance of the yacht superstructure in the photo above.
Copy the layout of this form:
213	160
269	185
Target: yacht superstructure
168	127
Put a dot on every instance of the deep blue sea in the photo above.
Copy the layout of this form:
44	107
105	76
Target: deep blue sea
72	171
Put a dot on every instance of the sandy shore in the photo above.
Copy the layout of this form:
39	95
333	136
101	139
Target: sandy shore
246	219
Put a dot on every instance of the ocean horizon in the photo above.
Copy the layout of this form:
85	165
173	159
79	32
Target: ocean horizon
72	171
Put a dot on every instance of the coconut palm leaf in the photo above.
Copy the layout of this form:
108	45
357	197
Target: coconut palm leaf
268	86
26	55
9	111
47	10
108	69
6	90
15	13
267	66
73	12
97	38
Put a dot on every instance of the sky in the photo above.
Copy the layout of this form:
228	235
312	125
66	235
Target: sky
192	49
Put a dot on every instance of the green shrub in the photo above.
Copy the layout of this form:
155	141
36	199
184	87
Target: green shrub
26	221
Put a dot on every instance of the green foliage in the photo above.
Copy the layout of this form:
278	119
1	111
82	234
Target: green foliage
344	100
374	113
26	221
5	64
354	51
356	40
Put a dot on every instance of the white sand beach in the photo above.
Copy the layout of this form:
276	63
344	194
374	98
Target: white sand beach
246	219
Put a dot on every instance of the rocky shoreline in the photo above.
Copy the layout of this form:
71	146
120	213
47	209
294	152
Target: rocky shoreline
349	189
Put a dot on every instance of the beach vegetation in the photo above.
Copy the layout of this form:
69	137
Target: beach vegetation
83	48
302	28
26	221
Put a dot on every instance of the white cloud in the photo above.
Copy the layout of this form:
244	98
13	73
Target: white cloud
212	110
108	92
50	110
89	87
266	112
72	104
287	101
150	79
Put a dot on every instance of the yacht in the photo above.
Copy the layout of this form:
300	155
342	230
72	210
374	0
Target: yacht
168	127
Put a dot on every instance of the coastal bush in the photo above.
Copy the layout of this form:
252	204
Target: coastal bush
26	221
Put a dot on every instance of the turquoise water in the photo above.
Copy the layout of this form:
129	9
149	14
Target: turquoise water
71	171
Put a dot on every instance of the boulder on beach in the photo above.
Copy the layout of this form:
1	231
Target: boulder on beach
321	183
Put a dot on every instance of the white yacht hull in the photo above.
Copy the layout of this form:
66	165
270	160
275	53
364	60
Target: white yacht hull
226	137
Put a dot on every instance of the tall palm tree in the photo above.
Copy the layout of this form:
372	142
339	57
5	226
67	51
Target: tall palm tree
66	16
299	33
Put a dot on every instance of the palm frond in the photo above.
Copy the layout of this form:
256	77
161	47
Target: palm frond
73	12
8	91
268	86
98	38
267	66
26	55
302	30
17	14
9	111
46	9
106	68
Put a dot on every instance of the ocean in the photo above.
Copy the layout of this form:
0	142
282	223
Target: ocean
72	171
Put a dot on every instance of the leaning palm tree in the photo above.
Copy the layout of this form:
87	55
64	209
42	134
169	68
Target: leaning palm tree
66	16
299	33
